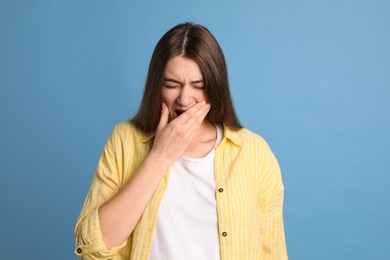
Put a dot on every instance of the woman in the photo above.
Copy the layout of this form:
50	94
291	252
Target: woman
183	179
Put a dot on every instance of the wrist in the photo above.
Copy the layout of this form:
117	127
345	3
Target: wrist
158	160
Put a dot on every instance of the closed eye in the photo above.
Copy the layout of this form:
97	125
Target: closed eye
170	86
199	87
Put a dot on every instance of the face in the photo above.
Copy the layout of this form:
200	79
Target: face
183	85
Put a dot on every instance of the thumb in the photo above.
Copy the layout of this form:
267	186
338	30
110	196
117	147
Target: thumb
164	117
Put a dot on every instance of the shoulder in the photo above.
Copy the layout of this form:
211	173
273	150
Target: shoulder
257	151
126	133
245	137
127	128
249	136
251	144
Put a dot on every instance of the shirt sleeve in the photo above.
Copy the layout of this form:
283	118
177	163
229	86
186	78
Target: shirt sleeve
273	238
105	184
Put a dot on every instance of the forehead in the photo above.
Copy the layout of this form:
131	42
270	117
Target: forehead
182	68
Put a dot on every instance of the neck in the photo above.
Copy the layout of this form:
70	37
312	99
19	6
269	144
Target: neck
203	141
206	132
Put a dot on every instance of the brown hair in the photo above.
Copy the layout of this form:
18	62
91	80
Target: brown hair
197	43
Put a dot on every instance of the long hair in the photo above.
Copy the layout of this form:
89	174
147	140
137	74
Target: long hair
197	43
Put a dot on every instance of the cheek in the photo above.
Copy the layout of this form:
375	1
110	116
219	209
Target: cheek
167	97
165	100
202	97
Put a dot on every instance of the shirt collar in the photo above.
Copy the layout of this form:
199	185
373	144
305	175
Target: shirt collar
232	135
227	132
146	137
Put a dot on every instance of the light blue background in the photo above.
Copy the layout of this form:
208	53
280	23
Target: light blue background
311	77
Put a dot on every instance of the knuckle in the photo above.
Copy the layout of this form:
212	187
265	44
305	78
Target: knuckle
176	130
180	132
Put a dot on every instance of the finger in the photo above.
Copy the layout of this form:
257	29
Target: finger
195	127
193	124
164	117
183	118
198	116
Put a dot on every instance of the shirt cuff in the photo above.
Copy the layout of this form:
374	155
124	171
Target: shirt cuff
90	242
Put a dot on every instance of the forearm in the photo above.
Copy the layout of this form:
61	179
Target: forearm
119	216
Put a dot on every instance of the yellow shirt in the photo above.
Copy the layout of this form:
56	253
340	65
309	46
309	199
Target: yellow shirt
249	194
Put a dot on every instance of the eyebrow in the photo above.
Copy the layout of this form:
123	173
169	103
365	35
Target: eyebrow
178	82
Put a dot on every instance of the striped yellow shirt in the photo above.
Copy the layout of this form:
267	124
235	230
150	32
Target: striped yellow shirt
249	194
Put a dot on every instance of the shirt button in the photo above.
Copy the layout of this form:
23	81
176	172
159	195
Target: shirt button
224	234
220	190
79	250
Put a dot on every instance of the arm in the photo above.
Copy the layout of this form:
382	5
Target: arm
273	239
110	215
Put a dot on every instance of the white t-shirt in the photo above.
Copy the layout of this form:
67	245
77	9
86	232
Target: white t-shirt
187	225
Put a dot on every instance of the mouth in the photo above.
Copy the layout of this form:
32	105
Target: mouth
178	112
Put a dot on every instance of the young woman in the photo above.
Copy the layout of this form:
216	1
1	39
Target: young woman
183	179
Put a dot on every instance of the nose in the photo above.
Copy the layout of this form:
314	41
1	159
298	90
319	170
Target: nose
185	97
